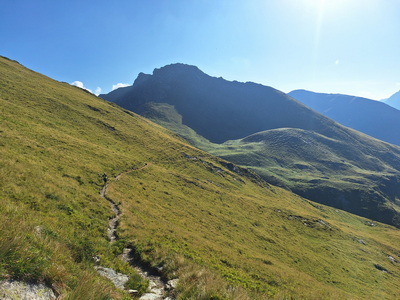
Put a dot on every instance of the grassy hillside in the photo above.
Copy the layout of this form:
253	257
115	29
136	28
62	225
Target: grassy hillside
325	170
220	229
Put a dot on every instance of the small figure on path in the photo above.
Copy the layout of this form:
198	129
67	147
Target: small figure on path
105	178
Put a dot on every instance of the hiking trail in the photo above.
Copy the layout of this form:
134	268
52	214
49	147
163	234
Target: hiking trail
157	287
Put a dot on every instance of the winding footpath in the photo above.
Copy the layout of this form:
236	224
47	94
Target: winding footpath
157	287
113	223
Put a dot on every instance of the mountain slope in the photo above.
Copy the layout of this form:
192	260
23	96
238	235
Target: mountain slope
217	109
202	108
368	116
394	100
220	229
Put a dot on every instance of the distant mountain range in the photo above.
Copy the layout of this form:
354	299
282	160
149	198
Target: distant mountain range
283	140
393	100
371	117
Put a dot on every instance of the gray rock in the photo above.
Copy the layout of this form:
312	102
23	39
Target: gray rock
10	289
118	279
172	284
156	291
151	296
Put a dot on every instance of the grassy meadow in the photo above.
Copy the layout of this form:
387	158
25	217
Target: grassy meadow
225	234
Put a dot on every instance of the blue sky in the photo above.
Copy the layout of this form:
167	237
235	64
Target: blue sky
337	46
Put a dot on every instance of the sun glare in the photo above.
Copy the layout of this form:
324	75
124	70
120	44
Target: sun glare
328	4
318	28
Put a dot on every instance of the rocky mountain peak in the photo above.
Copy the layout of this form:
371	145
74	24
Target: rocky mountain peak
142	77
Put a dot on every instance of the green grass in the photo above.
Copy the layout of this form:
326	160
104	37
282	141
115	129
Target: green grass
257	239
226	236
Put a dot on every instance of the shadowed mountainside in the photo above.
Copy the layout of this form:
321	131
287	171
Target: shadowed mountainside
347	169
217	109
371	117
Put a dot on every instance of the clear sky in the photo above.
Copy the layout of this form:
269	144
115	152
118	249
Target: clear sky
336	46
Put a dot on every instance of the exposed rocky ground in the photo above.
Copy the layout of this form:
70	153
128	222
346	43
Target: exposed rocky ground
10	289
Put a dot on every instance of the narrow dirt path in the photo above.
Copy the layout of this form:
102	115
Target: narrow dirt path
132	170
113	223
157	287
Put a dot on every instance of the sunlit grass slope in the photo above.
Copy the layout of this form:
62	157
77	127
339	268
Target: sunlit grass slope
223	231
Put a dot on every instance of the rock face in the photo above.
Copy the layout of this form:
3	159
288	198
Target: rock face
25	291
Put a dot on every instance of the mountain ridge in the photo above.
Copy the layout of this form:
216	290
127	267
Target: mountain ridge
394	100
368	116
223	95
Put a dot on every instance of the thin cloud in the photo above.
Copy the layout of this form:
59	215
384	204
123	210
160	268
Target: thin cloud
97	91
119	85
337	62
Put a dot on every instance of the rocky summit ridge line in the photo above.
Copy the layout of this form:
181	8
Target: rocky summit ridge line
217	109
